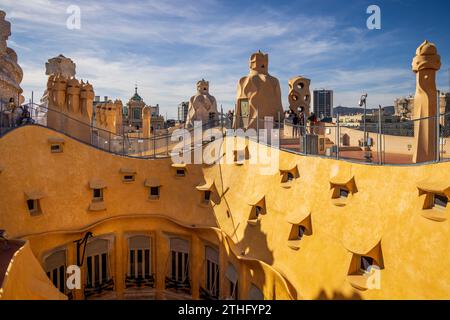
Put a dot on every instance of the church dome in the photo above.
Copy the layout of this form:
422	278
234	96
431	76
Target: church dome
136	96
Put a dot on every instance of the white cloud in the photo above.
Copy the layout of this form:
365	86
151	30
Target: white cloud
166	46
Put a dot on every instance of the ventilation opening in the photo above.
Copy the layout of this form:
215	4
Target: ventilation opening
365	263
154	193
343	192
56	148
440	201
97	194
255	214
33	206
128	178
365	269
287	177
300	232
181	173
258	211
207	196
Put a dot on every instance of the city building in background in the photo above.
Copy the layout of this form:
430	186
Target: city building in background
132	113
404	108
183	108
323	103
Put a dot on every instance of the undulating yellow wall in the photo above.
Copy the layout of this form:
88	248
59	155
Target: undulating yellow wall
386	208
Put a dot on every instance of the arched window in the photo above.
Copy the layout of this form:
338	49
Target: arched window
55	267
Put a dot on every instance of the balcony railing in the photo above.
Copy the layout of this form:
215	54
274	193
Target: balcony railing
148	281
97	289
177	285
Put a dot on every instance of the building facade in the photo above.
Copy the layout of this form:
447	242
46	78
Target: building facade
404	108
183	108
323	103
132	114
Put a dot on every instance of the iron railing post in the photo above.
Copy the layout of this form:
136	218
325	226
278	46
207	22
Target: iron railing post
221	118
167	143
154	146
257	125
379	136
123	142
338	136
279	121
438	131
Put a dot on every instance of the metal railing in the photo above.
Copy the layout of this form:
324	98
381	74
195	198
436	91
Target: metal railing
128	143
382	143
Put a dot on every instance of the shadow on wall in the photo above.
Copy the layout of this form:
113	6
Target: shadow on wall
254	244
338	296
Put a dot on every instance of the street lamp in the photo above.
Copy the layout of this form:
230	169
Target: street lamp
367	153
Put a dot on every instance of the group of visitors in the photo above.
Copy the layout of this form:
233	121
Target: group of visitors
300	122
13	115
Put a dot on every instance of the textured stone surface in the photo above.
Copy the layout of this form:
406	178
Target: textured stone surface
258	94
425	64
60	65
201	105
11	73
299	96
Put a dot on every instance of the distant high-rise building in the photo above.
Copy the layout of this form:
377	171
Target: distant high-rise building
323	103
183	111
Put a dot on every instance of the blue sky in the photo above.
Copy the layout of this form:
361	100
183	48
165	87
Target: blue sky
166	46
